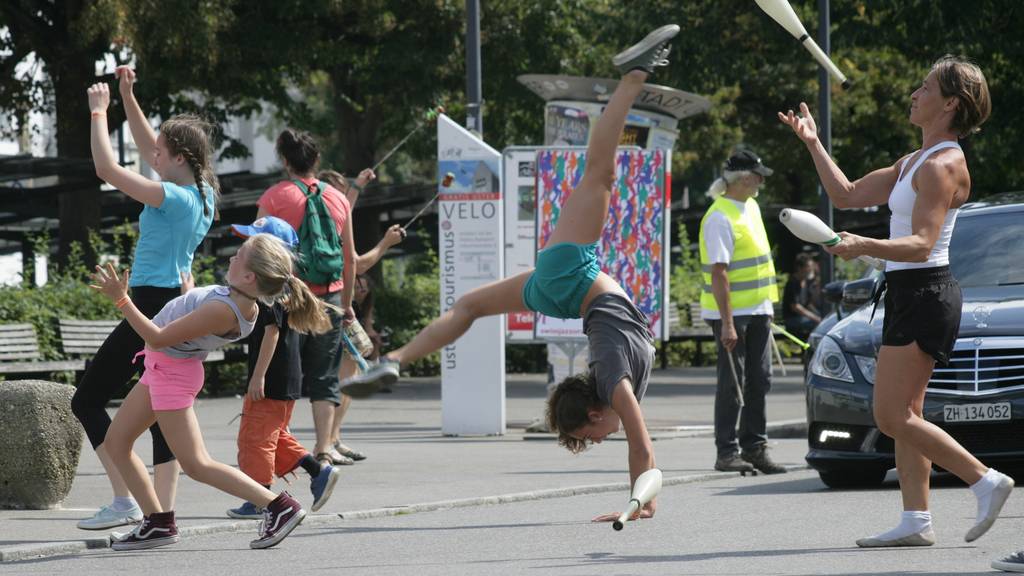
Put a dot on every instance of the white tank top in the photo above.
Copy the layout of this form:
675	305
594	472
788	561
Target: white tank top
901	203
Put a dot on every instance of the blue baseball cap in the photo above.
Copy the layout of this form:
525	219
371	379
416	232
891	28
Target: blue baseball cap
272	225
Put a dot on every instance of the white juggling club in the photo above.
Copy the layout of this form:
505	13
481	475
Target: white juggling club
783	13
645	488
810	228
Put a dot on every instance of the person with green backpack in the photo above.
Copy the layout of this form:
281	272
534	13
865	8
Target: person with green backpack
322	216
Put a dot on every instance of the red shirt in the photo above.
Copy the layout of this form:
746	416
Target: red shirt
288	203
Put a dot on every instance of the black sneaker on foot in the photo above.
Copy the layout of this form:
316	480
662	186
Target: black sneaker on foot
281	516
759	458
648	53
733	463
157	529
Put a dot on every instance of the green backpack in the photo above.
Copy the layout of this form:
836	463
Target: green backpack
320	257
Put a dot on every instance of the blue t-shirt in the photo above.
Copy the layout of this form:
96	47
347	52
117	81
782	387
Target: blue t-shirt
169	235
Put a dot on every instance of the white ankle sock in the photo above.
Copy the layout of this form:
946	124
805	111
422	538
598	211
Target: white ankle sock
911	522
123	503
983	491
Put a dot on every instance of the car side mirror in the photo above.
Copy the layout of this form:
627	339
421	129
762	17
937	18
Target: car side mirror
857	293
833	291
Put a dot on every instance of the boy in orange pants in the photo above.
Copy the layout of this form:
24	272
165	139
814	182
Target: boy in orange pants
266	448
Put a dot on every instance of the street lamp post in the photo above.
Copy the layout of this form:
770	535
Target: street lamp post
825	129
474	115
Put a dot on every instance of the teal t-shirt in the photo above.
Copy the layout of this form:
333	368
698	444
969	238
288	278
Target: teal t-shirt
169	235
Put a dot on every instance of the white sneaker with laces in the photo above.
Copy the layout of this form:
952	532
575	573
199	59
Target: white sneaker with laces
107	517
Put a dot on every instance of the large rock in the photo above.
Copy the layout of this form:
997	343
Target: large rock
40	440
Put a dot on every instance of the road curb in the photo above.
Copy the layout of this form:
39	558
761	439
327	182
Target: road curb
69	548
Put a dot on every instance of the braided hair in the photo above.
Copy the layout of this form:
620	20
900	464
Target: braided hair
190	136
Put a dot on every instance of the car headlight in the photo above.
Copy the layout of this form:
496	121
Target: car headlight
830	362
867	367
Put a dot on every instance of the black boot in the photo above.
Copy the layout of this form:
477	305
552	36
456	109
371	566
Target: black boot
759	458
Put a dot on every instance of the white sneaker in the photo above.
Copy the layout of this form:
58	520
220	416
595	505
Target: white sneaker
107	517
999	495
926	538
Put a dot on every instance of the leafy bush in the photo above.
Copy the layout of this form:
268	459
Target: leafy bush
407	299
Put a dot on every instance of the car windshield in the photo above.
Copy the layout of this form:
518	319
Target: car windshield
982	250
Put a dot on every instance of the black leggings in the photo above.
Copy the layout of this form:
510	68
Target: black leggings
112	368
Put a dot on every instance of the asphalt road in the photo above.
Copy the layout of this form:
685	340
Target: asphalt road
788	524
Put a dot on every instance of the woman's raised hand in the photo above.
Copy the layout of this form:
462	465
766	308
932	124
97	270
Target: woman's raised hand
126	77
803	124
99	97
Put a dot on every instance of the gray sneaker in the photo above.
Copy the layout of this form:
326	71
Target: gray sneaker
648	53
1012	563
733	463
385	373
758	457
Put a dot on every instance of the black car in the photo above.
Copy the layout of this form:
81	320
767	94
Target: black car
978	399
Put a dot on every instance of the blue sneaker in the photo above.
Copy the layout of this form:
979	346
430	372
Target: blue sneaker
107	517
322	486
247	511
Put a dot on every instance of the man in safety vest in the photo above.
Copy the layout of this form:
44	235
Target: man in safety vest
737	301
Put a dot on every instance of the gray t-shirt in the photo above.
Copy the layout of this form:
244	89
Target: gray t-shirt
621	345
190	301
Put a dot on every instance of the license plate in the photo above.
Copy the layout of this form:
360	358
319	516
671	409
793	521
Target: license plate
976	412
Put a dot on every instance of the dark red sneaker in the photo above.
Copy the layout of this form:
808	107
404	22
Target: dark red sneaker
281	516
155	530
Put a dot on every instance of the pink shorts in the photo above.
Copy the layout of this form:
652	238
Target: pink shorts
173	382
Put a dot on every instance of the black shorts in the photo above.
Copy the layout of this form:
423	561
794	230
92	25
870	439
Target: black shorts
922	305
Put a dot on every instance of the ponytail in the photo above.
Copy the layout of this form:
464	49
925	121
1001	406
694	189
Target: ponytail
306	312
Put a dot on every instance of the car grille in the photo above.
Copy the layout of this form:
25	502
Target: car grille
981	365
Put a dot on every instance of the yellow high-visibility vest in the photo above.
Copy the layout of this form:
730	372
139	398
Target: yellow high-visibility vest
751	272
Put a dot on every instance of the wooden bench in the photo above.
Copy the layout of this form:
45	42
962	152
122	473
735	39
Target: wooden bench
82	338
19	352
683	325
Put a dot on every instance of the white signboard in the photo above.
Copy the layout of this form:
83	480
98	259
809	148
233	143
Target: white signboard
471	249
520	189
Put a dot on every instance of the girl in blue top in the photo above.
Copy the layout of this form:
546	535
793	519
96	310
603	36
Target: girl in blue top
176	215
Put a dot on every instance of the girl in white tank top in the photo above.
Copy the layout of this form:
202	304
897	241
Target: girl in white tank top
901	203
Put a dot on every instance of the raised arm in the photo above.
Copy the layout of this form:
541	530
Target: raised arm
871	190
142	132
131	183
393	236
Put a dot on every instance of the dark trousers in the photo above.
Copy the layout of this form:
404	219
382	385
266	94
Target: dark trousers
112	368
752	359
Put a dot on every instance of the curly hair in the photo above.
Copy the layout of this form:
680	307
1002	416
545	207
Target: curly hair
568	408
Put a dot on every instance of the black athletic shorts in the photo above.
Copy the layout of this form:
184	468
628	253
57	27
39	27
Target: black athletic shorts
922	305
